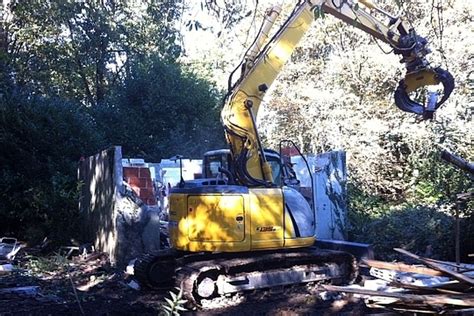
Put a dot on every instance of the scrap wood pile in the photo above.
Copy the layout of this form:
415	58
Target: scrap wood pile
435	287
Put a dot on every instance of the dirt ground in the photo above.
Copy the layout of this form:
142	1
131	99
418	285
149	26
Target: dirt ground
100	289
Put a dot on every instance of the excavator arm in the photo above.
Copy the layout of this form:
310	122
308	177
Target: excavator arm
266	57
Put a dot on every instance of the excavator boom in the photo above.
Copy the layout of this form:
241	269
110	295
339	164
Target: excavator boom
267	57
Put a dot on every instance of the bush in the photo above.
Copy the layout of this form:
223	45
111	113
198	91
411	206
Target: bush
419	229
161	110
41	141
423	229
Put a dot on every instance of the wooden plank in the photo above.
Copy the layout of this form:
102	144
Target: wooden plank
415	310
437	266
398	266
464	311
435	299
462	267
94	256
426	289
26	290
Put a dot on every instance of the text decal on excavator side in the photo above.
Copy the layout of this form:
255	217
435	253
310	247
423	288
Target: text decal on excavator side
263	229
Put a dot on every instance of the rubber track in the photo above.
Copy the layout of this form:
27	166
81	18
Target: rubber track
191	266
189	274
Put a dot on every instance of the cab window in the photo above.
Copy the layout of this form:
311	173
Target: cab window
212	164
276	170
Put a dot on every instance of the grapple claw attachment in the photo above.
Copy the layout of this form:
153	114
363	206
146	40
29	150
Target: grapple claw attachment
418	79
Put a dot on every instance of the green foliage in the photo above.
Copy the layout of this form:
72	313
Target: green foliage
423	219
161	110
42	141
416	229
424	229
438	181
52	264
175	305
318	12
79	49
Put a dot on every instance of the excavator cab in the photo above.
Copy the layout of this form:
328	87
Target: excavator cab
216	163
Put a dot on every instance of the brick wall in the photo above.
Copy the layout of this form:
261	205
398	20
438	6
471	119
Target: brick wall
139	179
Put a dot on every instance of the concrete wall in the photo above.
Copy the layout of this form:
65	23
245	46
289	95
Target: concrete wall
97	200
114	217
329	179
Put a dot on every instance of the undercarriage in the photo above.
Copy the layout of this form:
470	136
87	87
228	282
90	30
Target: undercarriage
207	276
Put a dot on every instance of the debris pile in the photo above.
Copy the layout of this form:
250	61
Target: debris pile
35	283
432	287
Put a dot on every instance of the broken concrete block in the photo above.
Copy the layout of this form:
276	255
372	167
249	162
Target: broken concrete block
151	232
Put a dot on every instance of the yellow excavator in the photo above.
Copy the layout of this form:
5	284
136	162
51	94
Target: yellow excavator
250	228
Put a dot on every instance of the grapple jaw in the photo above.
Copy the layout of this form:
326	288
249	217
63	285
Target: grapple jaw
422	78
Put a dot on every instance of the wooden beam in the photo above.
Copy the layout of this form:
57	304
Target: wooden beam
435	299
464	311
462	267
436	266
425	289
398	266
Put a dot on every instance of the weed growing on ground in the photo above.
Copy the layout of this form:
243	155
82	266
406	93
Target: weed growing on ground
47	265
175	305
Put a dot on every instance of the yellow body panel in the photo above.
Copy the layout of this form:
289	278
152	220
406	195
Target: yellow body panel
218	218
299	242
231	222
289	229
266	220
208	222
177	223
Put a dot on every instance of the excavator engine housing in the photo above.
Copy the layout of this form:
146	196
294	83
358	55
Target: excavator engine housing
236	218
